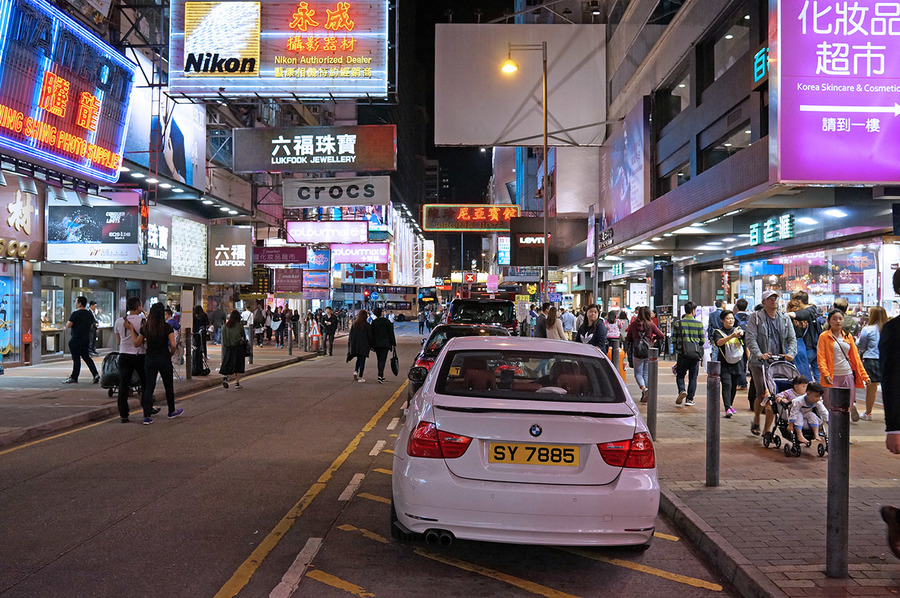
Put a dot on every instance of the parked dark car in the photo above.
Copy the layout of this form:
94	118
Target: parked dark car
499	312
436	341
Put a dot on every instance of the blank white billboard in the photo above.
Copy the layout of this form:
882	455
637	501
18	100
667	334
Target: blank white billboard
476	104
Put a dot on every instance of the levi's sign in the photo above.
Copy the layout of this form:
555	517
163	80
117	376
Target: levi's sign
531	240
367	253
316	149
308	193
64	94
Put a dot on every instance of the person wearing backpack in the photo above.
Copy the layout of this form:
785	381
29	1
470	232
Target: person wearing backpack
688	338
641	335
729	341
741	316
807	320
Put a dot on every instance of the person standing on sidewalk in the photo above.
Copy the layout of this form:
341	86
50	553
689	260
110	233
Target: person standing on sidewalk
330	325
729	344
868	349
641	329
383	340
568	322
769	334
555	327
80	324
234	345
95	311
540	323
714	323
360	343
218	320
687	334
889	359
160	339
592	331
131	358
201	328
839	363
421	319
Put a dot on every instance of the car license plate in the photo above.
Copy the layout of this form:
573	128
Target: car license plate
534	454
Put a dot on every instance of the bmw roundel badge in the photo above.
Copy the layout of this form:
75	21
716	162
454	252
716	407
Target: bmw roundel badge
535	430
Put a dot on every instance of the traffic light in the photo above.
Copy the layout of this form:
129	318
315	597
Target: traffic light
366	294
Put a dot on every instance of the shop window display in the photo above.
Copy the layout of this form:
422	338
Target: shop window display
104	298
10	314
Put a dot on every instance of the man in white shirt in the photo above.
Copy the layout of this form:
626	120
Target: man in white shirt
131	358
568	322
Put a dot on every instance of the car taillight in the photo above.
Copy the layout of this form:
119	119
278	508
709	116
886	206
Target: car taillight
424	362
429	442
635	453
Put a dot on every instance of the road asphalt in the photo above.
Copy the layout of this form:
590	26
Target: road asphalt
763	527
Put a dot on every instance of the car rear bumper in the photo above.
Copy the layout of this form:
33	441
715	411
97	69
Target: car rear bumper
618	514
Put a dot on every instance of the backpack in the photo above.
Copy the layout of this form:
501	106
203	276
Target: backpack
641	349
732	351
742	318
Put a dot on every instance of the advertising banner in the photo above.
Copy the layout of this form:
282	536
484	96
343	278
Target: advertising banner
327	232
838	81
318	259
158	236
229	255
316	149
367	253
629	173
428	266
316	279
309	49
109	231
65	93
503	250
279	255
468	217
22	232
189	248
288	281
311	193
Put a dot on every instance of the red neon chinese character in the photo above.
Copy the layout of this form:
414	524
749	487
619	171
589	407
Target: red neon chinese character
339	18
348	44
479	214
88	111
330	44
54	94
312	44
303	18
510	213
494	214
463	214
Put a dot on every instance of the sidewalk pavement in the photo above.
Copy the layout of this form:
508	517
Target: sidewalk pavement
34	402
763	527
750	527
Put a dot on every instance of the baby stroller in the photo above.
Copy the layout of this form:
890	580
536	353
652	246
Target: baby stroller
778	376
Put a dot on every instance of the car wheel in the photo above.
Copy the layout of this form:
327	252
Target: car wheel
396	531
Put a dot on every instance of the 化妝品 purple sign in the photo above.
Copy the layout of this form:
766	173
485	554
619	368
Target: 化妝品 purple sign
838	73
279	255
327	232
368	253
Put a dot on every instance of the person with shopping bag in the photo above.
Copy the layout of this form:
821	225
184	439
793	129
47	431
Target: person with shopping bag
383	340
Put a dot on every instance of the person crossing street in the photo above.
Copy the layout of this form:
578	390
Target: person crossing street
329	328
383	340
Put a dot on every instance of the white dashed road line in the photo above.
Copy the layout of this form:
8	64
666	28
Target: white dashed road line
294	574
352	487
377	448
393	424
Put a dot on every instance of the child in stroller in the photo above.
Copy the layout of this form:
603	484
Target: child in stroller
778	376
802	419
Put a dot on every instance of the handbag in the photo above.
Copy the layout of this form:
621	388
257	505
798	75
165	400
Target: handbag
395	363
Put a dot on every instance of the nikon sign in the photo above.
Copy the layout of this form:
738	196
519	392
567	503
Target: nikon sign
311	193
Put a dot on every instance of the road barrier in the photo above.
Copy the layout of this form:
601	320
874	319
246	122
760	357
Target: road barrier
837	519
713	391
653	390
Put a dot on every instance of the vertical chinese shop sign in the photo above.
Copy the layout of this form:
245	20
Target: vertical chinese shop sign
838	74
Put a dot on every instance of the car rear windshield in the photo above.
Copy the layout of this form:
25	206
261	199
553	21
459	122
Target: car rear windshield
529	375
440	337
482	313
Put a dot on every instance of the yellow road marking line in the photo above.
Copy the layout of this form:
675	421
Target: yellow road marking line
242	576
135	412
380	499
666	536
391	451
394	435
366	533
383	470
528	586
336	582
684	579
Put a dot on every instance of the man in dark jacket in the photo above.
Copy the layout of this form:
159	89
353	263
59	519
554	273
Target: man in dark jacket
383	340
540	324
889	352
329	328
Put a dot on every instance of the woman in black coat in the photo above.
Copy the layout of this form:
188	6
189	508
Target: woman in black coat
360	343
593	330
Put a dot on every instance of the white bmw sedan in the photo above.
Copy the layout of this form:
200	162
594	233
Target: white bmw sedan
525	441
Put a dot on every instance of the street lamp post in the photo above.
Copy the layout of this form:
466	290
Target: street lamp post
509	66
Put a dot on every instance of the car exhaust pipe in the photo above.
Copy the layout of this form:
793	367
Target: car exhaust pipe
446	539
432	537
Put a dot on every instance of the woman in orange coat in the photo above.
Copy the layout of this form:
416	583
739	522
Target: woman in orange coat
839	363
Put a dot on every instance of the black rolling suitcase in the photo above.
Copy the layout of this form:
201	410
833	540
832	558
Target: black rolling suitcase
109	375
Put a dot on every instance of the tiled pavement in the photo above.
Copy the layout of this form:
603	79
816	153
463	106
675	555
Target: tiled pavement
764	525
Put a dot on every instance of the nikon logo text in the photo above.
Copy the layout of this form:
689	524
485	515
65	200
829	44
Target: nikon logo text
201	62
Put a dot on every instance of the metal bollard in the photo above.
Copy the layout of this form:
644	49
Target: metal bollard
837	518
290	342
713	397
653	388
614	355
188	350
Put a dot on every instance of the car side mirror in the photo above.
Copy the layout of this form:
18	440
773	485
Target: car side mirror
417	375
